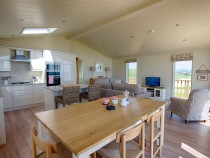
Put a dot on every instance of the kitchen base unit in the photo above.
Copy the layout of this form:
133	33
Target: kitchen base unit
2	122
22	96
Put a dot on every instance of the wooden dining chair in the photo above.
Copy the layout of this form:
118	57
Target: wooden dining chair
49	149
153	134
71	94
125	146
94	92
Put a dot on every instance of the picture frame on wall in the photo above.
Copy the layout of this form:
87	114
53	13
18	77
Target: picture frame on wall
99	67
202	77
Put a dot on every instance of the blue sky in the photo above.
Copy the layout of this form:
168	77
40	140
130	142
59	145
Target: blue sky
184	65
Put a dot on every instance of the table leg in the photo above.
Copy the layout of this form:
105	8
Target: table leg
163	124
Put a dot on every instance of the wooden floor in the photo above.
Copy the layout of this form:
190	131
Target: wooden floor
177	133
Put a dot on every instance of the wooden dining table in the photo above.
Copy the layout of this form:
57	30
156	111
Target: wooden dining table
86	127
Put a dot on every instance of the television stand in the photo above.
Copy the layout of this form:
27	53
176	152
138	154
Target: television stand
158	93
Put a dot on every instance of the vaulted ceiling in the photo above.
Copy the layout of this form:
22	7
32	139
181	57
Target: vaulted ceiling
115	27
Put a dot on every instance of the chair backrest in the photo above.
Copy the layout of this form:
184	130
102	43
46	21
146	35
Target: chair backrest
198	102
94	92
152	118
123	137
71	94
44	146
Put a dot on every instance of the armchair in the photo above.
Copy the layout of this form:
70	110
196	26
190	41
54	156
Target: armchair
196	107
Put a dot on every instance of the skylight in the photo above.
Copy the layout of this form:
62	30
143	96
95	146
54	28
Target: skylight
31	31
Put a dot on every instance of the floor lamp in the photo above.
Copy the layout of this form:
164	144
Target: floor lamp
107	69
92	69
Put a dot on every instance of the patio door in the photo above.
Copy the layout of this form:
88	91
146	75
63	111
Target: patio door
182	75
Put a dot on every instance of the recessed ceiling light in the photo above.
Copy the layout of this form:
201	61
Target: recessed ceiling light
151	31
30	31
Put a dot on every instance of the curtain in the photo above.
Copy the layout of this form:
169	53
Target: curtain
131	60
182	57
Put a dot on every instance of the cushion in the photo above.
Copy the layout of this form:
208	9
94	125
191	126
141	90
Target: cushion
111	80
134	88
105	79
105	85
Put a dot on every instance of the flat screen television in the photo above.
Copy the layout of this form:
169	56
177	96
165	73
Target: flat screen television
153	81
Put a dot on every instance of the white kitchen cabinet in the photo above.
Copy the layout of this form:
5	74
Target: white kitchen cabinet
68	69
37	61
48	56
22	95
38	93
7	100
5	64
57	59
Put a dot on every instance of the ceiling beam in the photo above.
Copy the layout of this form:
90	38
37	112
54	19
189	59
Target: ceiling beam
119	16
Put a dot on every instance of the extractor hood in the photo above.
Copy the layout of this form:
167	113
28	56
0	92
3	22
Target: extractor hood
20	57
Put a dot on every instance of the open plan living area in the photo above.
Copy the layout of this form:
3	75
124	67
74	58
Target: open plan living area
105	79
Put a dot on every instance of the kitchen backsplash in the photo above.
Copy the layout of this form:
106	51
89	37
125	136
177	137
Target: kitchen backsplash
20	73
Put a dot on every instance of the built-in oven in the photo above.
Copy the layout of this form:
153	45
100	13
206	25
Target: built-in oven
53	74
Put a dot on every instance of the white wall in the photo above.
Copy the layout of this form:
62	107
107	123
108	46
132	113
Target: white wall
200	58
20	73
160	65
89	57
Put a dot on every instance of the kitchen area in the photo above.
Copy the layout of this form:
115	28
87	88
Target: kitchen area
23	76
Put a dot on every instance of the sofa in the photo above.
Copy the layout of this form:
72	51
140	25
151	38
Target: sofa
107	80
112	89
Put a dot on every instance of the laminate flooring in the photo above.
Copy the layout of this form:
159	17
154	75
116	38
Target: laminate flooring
193	136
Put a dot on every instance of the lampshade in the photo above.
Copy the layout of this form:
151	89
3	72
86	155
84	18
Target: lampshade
107	69
92	68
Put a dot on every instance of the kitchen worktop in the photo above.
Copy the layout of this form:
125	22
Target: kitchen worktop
20	84
60	88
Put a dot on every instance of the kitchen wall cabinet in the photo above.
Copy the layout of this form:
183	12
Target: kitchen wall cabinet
57	59
37	61
68	69
38	93
5	63
7	100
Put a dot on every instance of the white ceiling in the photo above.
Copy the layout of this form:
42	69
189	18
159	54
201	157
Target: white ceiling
115	27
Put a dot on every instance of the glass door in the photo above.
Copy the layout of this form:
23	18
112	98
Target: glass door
182	78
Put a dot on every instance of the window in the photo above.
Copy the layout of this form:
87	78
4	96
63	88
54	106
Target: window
131	72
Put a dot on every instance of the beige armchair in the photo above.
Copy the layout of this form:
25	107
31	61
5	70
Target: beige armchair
195	108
